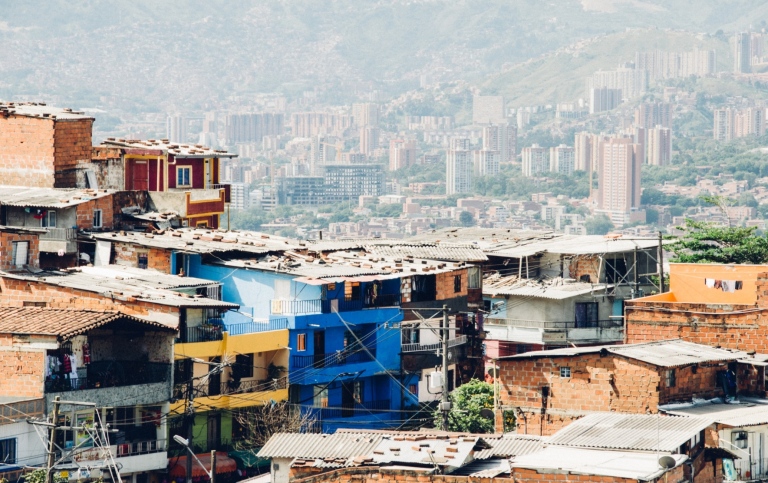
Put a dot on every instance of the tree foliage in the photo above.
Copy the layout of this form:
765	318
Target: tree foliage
598	225
261	422
704	242
468	400
466	219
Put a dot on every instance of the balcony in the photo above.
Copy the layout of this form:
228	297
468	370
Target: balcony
229	387
417	347
332	359
133	457
202	333
56	240
227	191
318	306
104	374
352	410
556	332
252	327
188	202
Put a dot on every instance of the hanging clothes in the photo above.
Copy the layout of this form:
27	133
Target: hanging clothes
66	364
86	354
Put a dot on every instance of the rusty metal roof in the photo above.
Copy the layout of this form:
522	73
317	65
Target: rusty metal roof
65	323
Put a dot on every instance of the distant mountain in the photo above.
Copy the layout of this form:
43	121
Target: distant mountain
145	55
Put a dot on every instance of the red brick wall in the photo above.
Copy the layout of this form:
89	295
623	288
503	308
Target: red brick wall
6	249
85	213
22	372
26	151
128	255
585	265
159	259
522	475
444	283
72	146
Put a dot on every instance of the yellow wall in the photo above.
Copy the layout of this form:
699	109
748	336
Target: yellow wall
687	283
233	401
236	344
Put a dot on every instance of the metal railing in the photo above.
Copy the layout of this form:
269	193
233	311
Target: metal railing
356	409
241	328
203	333
223	186
557	325
418	347
59	234
103	374
232	387
344	305
140	447
334	359
296	307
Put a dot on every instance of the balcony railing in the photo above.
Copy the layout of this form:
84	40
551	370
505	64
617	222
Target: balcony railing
141	447
356	409
558	325
102	374
203	333
334	359
317	306
230	387
418	347
59	234
241	328
227	190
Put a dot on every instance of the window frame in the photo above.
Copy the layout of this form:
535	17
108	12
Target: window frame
565	372
457	283
301	342
98	214
245	365
180	177
145	256
49	219
474	278
9	446
670	378
14	251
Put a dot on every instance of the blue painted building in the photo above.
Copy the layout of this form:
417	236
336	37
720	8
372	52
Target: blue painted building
344	334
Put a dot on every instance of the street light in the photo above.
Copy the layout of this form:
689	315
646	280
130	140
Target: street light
211	474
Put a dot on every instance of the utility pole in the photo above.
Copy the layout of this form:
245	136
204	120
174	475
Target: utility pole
661	264
190	415
213	466
52	441
445	404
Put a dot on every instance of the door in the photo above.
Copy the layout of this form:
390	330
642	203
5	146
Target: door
207	180
214	430
214	380
318	346
138	175
347	399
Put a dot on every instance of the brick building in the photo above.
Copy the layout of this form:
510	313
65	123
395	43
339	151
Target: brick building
547	390
43	146
712	304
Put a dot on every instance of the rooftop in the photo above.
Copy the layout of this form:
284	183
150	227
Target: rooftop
65	323
48	197
555	288
636	432
164	146
665	353
311	446
404	248
197	240
41	110
747	412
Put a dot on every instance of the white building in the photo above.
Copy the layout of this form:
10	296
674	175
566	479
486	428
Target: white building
458	174
534	160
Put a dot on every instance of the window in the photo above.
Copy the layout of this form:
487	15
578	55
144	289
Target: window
450	380
97	218
586	314
143	260
48	220
183	176
29	303
244	365
413	389
739	439
474	277
8	451
351	291
358	392
457	283
670	378
565	372
411	335
320	399
523	348
19	255
301	342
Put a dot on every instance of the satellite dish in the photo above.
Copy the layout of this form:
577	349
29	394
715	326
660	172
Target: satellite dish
667	462
488	414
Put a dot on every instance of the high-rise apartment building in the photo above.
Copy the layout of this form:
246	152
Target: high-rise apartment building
619	176
534	160
562	159
742	55
585	151
502	138
176	129
723	124
488	110
603	99
239	196
732	123
658	147
402	153
486	162
458	167
366	114
632	82
651	114
252	127
369	139
308	124
671	65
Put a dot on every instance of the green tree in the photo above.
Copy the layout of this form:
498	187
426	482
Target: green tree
598	225
466	219
704	242
467	402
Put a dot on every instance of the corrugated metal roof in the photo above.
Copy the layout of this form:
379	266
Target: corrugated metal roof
637	432
617	464
737	415
48	197
313	446
484	468
423	450
178	150
65	323
435	252
665	353
32	109
511	445
555	289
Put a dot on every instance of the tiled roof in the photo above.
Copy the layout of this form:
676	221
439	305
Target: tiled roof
636	432
163	146
64	323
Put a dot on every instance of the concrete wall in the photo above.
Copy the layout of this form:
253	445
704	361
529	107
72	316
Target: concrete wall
17	216
137	395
